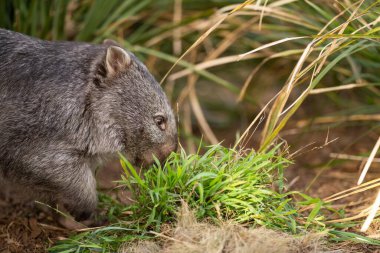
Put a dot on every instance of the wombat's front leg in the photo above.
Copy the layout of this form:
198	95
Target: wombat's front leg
78	192
65	175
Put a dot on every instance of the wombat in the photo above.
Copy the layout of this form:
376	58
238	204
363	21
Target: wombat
66	105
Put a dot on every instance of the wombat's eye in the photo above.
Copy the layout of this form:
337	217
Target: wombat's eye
160	122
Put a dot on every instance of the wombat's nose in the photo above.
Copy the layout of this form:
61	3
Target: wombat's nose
161	153
166	150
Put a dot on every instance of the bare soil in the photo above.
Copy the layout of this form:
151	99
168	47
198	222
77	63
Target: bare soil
26	226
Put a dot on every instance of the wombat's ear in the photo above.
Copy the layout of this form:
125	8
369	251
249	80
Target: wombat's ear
117	60
109	42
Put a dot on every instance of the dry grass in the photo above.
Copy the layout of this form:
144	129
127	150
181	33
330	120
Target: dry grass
191	236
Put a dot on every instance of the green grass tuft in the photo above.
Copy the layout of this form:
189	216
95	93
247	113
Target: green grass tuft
220	184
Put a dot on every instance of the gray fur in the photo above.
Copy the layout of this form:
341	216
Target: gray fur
61	110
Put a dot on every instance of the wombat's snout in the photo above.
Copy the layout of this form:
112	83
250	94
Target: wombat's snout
161	154
167	150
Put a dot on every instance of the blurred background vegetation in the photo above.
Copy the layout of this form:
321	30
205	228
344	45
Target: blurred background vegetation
216	92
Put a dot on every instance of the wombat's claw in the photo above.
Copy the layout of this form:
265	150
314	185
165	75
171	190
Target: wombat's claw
69	223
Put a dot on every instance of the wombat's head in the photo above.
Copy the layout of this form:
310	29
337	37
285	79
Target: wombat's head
136	105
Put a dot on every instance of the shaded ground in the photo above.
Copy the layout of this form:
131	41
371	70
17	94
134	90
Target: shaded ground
29	227
24	228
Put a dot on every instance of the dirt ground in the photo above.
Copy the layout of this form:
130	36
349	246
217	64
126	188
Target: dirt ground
26	226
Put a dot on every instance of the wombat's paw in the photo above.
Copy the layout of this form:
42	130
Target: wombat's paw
81	216
81	212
